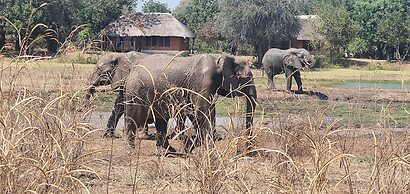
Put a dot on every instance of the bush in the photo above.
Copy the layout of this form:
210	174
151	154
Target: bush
358	47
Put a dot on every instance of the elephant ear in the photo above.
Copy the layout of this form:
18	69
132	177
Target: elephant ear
230	81
291	59
119	73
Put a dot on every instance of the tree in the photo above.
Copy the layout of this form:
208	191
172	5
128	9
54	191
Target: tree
199	16
152	6
195	13
59	17
2	36
384	25
258	23
335	27
23	20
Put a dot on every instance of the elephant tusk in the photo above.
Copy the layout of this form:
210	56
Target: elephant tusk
306	63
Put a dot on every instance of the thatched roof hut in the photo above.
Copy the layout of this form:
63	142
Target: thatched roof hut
308	24
152	24
152	31
307	34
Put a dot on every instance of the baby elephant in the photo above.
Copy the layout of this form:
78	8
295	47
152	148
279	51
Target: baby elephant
290	61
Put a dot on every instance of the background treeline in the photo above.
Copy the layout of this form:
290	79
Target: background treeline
48	23
378	29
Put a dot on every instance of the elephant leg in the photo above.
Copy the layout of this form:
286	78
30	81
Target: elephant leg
115	116
298	80
130	126
189	141
204	124
135	117
145	134
215	136
180	124
162	140
270	74
250	111
180	127
289	74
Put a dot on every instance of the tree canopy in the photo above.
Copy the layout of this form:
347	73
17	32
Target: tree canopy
199	16
383	26
368	28
258	23
152	6
59	16
334	26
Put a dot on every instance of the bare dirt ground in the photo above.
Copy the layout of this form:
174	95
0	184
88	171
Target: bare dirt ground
318	153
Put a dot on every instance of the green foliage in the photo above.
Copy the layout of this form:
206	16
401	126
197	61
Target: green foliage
195	13
358	45
98	14
257	23
204	47
152	6
335	27
24	14
84	35
199	16
384	24
61	16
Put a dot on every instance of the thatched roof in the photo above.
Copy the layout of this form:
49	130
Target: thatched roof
308	24
151	24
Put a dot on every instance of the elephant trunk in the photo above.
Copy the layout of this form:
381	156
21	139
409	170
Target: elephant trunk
311	62
93	81
250	112
89	92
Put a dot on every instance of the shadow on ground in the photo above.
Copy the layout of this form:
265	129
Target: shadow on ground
319	95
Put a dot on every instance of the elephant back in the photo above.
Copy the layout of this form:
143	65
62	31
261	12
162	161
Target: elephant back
273	59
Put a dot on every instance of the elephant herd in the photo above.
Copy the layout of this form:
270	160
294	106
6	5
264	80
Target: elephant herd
156	88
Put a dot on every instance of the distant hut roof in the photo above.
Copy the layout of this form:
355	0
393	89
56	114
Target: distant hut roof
150	24
308	25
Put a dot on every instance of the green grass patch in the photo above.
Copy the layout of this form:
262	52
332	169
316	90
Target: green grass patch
329	77
229	106
105	101
349	114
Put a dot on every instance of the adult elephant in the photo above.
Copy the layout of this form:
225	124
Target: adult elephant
112	69
160	86
290	61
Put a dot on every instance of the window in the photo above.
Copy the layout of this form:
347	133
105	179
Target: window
158	41
151	41
133	40
164	41
118	42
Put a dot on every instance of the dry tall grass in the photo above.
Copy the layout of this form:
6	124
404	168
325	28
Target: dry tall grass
45	147
42	139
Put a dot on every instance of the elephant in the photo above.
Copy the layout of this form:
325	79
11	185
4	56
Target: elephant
112	69
159	86
290	61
